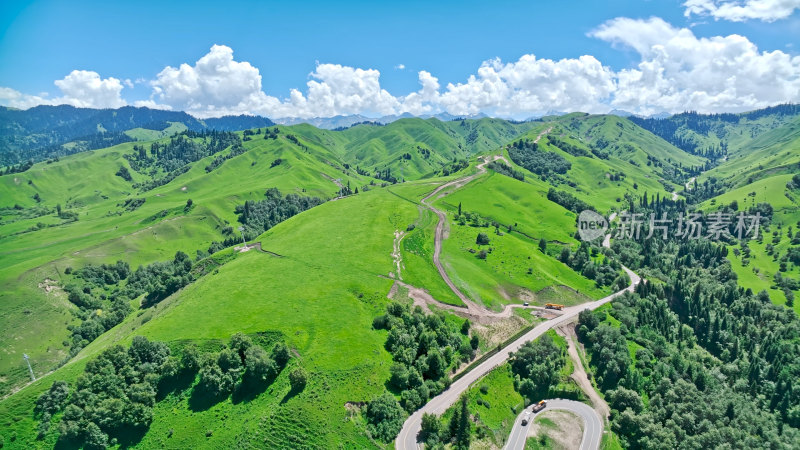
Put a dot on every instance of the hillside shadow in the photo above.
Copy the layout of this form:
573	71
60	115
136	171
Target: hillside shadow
249	389
130	437
202	400
126	438
66	444
173	385
291	394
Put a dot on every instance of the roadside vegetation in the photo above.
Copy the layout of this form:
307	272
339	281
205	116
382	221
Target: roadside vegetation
486	412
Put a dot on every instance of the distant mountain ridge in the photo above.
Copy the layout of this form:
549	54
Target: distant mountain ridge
39	132
340	122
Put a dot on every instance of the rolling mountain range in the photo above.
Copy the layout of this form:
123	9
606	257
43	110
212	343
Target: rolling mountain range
103	246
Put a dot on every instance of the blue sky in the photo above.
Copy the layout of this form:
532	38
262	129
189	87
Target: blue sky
285	42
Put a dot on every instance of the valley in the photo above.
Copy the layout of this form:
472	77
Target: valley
463	230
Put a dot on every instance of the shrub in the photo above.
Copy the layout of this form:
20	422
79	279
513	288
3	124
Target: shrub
298	379
385	417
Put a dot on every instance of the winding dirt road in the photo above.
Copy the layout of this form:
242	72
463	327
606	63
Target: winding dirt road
407	439
472	307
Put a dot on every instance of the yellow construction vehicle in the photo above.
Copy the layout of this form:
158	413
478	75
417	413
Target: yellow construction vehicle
553	306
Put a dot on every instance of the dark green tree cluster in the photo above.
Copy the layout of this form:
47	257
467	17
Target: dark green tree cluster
236	150
103	274
473	219
572	149
457	432
182	149
124	173
794	183
114	396
385	417
567	200
260	216
271	133
385	175
505	169
95	288
159	280
536	367
241	367
19	168
49	403
156	182
718	364
607	272
132	204
423	348
454	166
527	154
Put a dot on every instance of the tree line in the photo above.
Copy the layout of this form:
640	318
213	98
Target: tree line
527	154
111	403
424	348
259	216
713	364
180	150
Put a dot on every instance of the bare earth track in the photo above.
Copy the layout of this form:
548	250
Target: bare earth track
407	438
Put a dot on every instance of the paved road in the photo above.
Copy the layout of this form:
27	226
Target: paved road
592	424
407	439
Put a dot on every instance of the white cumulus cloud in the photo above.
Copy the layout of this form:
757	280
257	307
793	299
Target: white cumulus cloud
532	85
81	88
215	85
338	90
676	71
86	89
740	11
679	71
16	99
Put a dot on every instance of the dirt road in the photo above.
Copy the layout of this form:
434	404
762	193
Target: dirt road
471	306
407	438
579	372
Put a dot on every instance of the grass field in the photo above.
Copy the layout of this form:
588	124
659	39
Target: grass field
628	149
760	268
322	281
515	270
105	232
332	278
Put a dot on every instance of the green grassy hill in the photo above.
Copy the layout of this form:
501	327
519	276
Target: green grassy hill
330	278
758	169
610	157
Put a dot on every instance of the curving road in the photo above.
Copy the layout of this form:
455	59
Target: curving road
439	234
592	424
407	439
